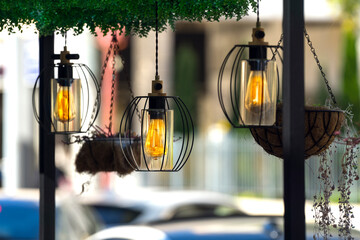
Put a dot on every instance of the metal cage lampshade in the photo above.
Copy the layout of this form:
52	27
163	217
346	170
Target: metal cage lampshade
148	144
248	83
147	130
74	93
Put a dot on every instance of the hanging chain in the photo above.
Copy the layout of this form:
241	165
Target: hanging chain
103	69
278	46
127	78
116	48
129	87
316	59
320	67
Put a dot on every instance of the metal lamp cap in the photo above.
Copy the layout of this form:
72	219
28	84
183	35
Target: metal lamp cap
157	87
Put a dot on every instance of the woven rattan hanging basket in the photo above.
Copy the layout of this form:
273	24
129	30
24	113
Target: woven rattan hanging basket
104	155
321	124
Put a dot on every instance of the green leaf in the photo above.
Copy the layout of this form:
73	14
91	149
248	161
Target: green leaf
136	16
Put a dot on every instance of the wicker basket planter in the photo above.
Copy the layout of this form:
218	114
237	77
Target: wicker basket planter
104	155
320	125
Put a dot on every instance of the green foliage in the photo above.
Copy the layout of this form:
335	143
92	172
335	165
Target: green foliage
136	16
350	86
348	7
187	74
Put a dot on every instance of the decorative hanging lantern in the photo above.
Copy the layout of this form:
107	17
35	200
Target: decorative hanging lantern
321	122
74	91
249	97
248	83
155	149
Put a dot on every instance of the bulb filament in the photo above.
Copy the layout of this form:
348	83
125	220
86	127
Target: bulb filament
155	139
65	106
257	97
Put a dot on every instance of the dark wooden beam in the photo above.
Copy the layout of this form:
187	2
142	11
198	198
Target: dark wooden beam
47	144
293	120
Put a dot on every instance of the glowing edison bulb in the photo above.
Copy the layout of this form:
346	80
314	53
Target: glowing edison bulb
155	139
257	93
65	106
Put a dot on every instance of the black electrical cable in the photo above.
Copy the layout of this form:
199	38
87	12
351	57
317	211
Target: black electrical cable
157	41
258	11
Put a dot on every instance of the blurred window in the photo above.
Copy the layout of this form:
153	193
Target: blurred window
204	210
115	215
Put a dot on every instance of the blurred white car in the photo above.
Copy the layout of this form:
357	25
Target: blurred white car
130	233
233	228
157	206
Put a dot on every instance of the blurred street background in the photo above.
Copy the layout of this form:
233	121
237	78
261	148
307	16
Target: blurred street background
224	160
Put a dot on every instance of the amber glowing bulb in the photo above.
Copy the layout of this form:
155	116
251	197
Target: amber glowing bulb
65	106
155	139
257	93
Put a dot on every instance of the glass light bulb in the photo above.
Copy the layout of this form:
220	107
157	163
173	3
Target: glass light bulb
257	93
65	105
155	139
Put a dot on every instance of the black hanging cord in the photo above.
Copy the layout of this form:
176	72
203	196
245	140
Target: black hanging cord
156	41
258	13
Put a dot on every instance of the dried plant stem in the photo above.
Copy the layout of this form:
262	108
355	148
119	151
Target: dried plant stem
324	219
349	174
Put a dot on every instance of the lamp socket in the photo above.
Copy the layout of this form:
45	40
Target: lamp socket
157	87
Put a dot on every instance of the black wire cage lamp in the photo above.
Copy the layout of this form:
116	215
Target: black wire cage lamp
248	91
149	145
248	82
74	91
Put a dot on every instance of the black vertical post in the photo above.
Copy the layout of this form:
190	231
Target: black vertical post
47	144
293	120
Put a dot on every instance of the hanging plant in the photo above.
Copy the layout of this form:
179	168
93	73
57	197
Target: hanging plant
323	216
100	151
349	174
321	123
